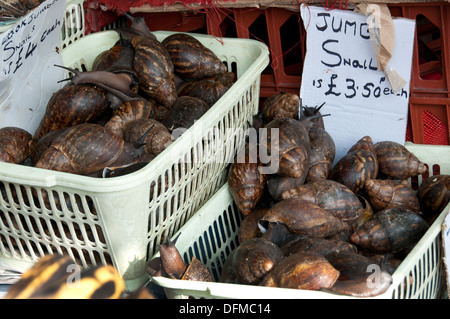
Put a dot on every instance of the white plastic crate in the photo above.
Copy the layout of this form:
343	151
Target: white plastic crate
121	220
212	234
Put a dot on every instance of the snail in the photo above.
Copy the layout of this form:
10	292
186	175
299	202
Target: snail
154	69
312	112
358	276
390	230
359	164
151	134
184	112
396	161
170	264
331	196
245	181
72	105
317	245
277	184
386	193
281	104
209	91
81	149
289	138
304	218
191	59
322	154
302	271
434	195
250	262
16	144
249	226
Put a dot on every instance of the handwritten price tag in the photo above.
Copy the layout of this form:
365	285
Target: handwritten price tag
28	78
341	69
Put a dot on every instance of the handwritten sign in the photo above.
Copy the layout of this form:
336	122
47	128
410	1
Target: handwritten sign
340	69
29	50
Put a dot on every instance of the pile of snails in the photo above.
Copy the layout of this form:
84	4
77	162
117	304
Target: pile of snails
117	117
312	225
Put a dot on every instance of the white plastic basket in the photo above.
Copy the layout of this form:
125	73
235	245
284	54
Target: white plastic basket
212	234
121	220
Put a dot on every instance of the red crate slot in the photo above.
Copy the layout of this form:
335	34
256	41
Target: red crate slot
430	118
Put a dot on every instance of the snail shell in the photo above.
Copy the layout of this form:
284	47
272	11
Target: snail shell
385	193
116	55
251	261
154	68
81	149
16	144
333	197
191	59
184	112
302	271
396	161
208	90
390	230
323	151
245	181
292	145
280	105
358	165
72	105
317	245
434	195
249	226
303	217
277	185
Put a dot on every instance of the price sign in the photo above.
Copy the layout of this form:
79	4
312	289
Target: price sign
28	77
342	70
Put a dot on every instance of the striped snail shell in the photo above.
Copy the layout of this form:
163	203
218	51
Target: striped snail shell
16	144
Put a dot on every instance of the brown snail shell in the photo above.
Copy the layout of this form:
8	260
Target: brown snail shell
16	144
386	193
277	185
127	113
184	112
396	161
250	262
249	226
317	245
154	68
332	196
303	217
323	152
358	165
72	105
390	230
245	181
117	55
191	59
197	271
281	104
292	145
434	195
208	90
81	149
358	276
302	271
152	134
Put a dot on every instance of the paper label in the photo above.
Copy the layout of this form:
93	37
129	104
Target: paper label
28	77
341	69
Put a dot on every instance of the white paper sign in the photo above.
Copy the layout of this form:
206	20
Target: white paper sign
340	69
28	77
